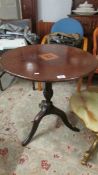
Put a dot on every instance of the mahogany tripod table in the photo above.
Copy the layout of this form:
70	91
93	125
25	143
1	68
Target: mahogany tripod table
48	64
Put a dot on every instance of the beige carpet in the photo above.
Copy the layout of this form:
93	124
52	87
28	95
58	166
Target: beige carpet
53	151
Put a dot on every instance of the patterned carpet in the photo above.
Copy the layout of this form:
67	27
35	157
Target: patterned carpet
53	151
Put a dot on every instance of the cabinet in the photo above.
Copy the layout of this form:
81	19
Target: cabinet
89	22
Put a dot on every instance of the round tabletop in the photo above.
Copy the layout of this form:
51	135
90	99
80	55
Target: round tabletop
49	62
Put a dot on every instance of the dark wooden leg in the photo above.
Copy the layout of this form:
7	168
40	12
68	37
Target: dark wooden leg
33	83
36	122
47	108
63	117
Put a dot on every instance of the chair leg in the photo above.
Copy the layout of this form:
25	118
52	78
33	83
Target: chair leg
39	86
90	77
79	84
89	153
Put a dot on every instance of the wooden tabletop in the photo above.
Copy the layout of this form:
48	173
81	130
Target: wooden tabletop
48	62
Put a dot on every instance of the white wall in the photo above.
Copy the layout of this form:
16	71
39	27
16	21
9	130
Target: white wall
53	10
9	9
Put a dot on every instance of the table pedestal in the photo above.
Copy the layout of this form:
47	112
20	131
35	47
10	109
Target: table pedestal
47	108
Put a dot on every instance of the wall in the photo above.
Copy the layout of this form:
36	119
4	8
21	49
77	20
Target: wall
52	10
9	9
48	10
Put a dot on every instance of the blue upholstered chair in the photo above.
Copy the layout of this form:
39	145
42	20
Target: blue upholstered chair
68	25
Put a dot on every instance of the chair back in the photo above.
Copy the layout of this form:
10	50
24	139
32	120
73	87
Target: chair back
69	26
95	41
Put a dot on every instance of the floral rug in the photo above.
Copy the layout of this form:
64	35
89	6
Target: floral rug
52	151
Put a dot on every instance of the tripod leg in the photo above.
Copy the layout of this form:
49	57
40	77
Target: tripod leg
63	117
36	122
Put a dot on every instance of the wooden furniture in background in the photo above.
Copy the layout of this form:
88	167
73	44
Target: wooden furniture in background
95	45
89	22
95	41
43	28
29	10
